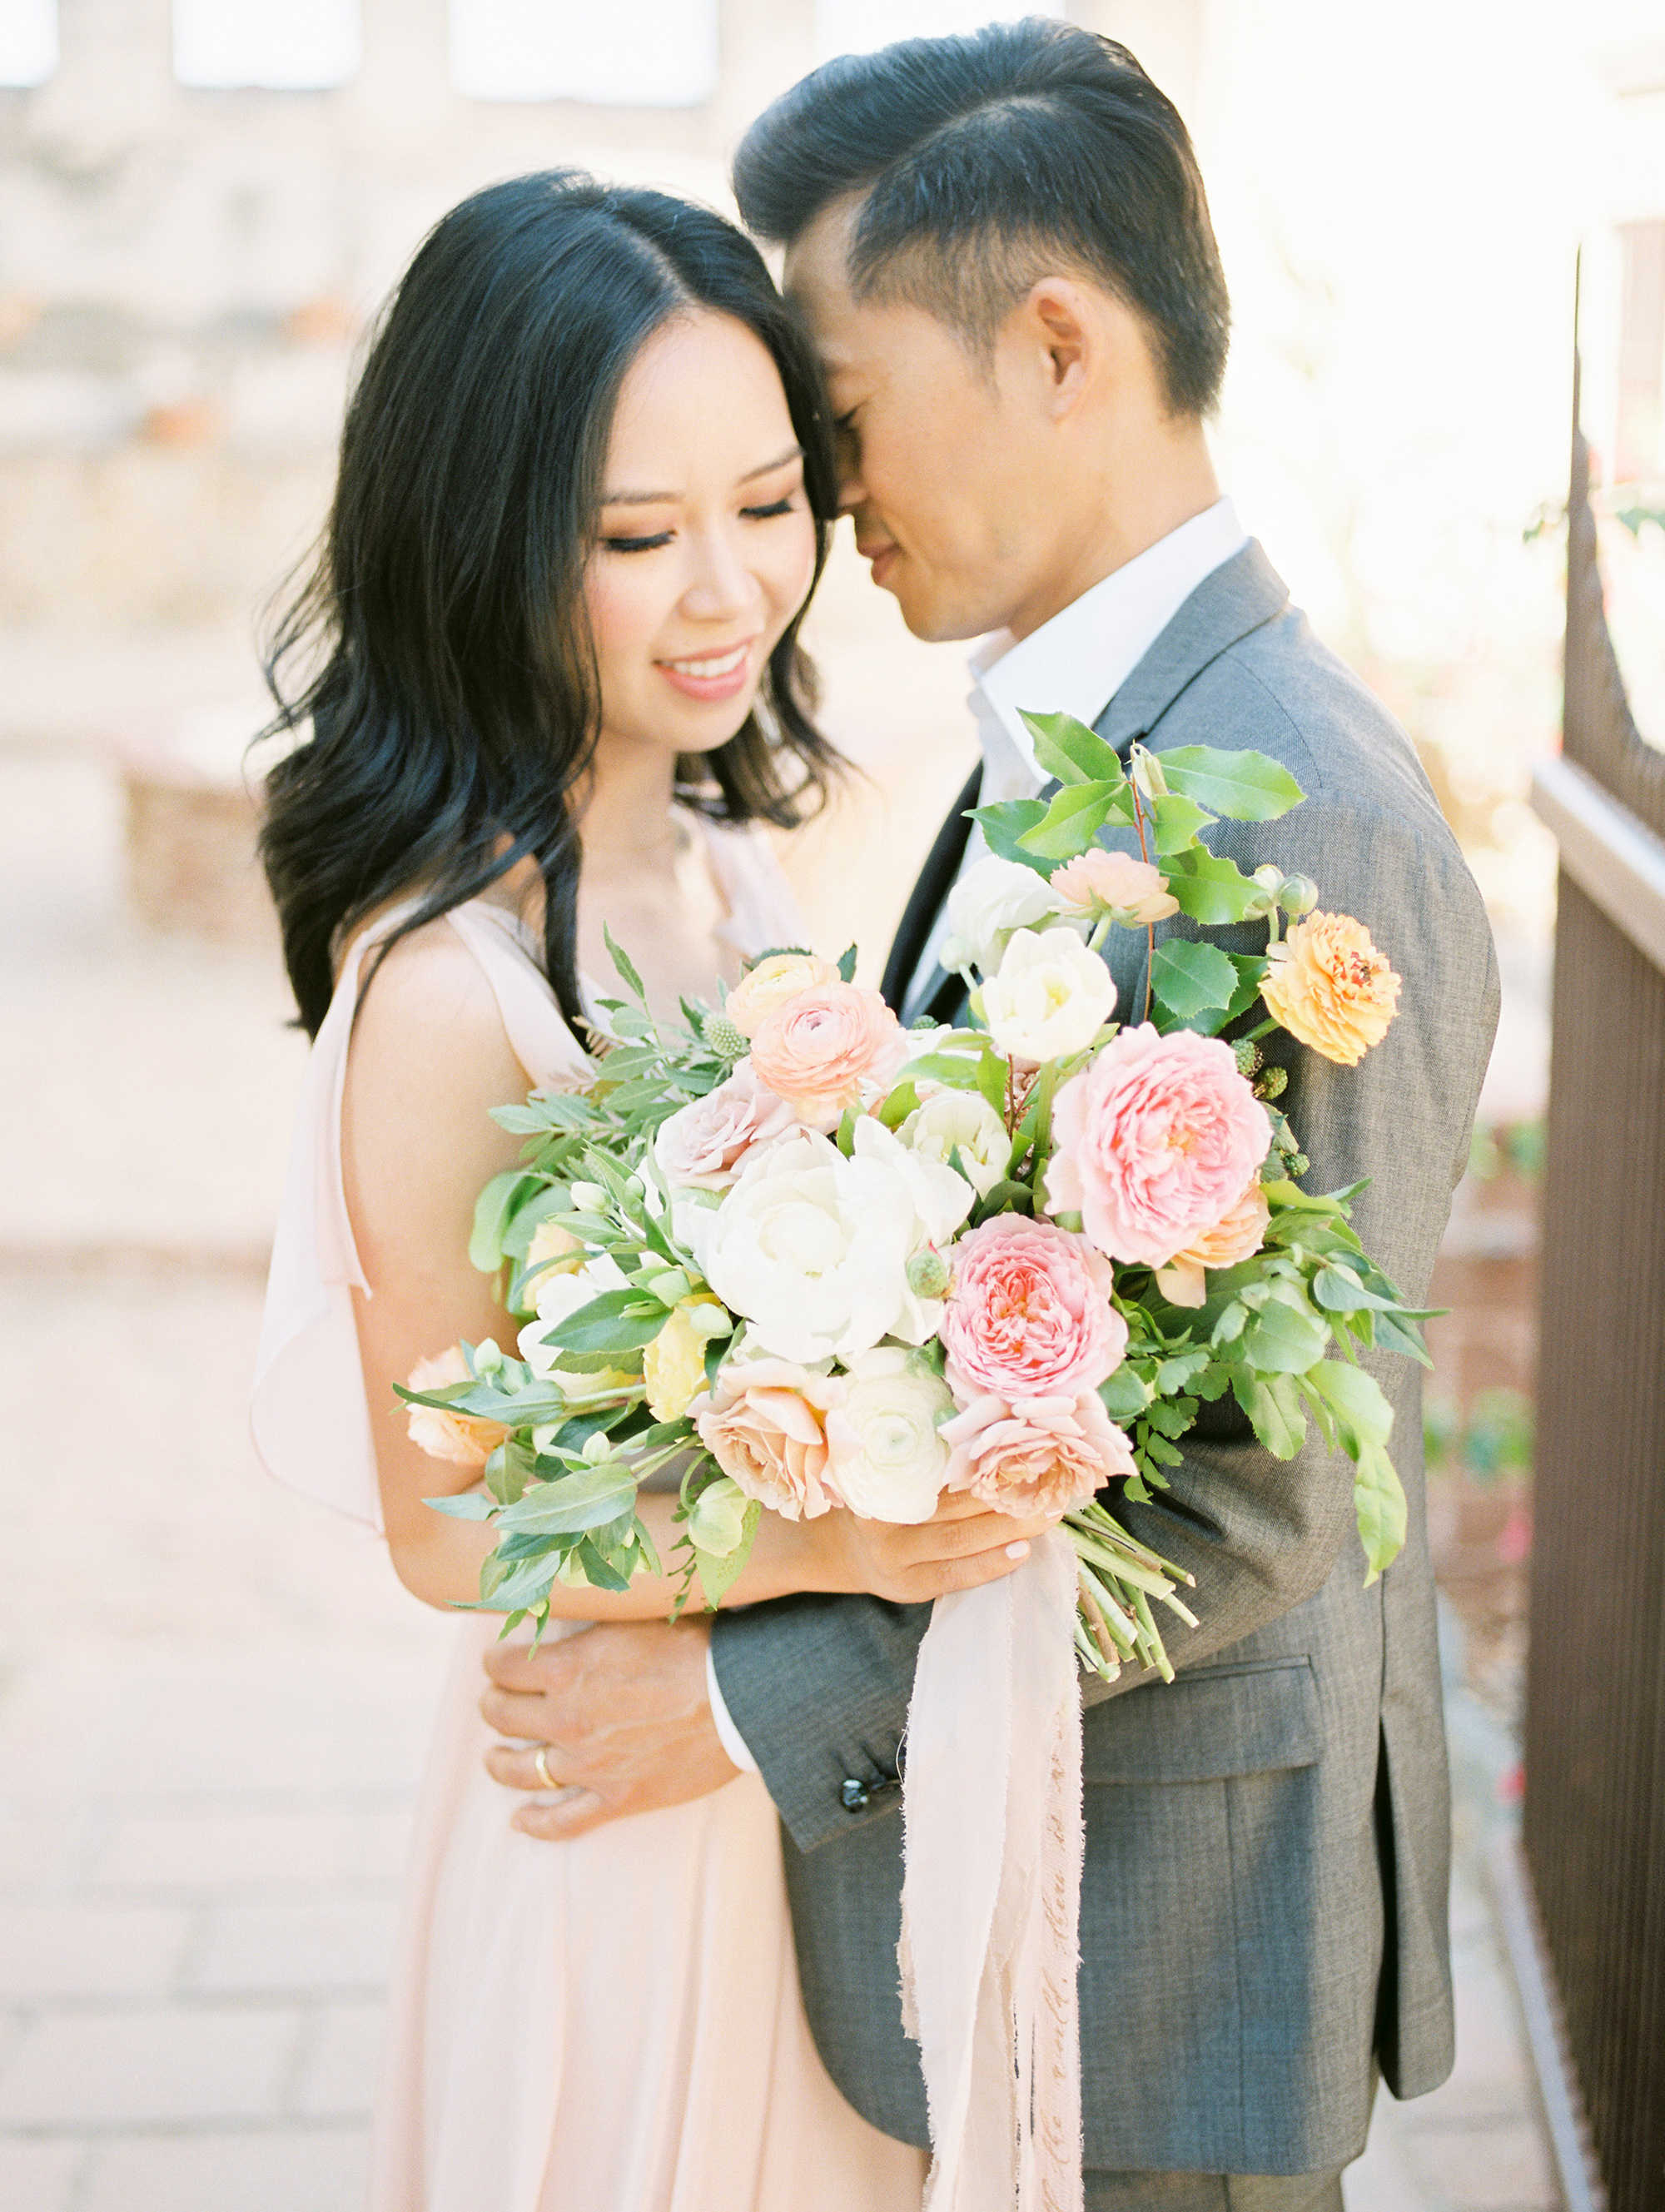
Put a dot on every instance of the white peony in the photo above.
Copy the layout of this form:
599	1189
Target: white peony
991	900
888	1460
813	1249
964	1118
1050	997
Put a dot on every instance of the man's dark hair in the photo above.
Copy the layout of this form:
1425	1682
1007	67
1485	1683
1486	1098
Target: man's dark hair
989	159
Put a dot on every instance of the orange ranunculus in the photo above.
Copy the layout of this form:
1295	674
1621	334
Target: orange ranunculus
442	1434
1330	988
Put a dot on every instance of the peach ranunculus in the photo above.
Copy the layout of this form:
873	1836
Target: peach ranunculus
1098	881
1029	1312
1040	1455
1156	1140
765	1425
1330	988
818	1048
1237	1237
443	1435
704	1145
771	983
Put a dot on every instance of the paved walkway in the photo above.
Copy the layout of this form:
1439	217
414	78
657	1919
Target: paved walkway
213	1698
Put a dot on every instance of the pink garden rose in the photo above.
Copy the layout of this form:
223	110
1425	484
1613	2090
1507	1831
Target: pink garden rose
765	1425
1100	882
1157	1140
1235	1237
819	1047
1029	1312
1040	1455
705	1144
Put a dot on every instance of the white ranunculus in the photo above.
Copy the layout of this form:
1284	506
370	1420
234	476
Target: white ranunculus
964	1118
888	1459
559	1297
1049	998
991	900
813	1249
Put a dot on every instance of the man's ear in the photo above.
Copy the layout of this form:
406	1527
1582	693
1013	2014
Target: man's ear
1065	332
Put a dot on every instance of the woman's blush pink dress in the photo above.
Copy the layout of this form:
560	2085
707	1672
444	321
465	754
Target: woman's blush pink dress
611	2024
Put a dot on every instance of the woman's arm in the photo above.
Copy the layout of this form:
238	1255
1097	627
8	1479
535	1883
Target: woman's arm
428	1059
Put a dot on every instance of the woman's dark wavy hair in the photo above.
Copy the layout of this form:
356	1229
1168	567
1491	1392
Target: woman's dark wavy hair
457	703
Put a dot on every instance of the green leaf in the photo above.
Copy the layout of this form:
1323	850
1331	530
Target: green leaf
617	1321
1124	1396
1396	1333
1071	822
901	1102
1280	1341
1251	974
719	1571
1378	1499
1338	1290
1356	1396
844	1139
1175	821
1212	889
1281	1429
589	1497
846	965
1071	751
622	961
492	1210
471	1506
1245	786
1005	823
1189	977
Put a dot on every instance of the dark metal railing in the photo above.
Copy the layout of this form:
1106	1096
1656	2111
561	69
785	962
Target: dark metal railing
1594	1830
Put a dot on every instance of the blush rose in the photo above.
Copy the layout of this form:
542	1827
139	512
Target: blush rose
765	1425
1029	1312
1157	1140
1038	1455
704	1145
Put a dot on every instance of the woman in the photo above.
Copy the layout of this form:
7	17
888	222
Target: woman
584	495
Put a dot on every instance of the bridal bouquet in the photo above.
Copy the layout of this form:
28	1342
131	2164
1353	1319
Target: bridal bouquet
822	1263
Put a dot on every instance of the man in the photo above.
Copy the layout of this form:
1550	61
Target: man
1002	246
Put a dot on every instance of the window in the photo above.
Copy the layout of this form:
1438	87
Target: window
614	53
304	45
28	41
857	26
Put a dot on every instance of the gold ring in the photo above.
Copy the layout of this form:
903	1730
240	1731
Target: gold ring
541	1763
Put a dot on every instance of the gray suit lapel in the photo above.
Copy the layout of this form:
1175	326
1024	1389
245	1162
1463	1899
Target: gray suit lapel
1241	594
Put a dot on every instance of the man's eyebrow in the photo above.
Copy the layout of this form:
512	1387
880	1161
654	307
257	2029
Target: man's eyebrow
669	498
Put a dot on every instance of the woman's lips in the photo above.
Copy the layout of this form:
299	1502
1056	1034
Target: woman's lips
711	676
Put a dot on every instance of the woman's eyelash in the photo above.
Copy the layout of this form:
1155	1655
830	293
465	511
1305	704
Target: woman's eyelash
663	537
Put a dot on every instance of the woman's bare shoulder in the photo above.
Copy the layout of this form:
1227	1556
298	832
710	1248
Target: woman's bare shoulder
427	1009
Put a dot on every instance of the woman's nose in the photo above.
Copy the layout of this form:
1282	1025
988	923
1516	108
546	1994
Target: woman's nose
722	584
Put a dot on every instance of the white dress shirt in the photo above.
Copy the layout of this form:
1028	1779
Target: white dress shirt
1073	664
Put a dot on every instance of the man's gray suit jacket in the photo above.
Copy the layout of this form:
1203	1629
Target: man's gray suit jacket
1264	1906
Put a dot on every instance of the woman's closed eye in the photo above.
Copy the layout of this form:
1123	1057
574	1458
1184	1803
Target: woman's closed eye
782	506
637	544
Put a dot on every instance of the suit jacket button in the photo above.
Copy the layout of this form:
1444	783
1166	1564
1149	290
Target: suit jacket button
853	1795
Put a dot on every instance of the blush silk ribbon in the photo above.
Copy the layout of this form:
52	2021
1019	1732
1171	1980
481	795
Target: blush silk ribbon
994	1842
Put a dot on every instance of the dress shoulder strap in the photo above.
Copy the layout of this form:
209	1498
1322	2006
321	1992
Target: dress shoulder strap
309	1414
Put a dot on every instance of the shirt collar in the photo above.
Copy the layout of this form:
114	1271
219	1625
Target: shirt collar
1076	662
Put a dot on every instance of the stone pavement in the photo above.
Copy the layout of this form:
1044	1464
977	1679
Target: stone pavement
213	1698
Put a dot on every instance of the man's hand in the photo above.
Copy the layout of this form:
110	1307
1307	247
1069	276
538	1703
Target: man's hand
622	1713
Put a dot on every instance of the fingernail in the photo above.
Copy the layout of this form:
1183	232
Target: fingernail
1016	1551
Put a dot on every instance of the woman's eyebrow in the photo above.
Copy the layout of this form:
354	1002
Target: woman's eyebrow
669	498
